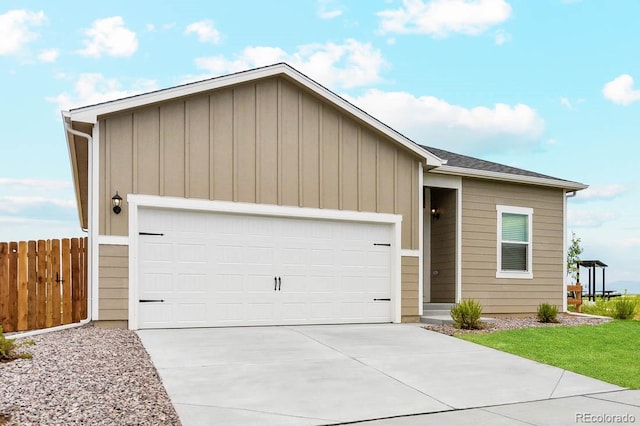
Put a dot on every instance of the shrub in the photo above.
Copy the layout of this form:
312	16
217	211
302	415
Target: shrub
624	308
547	313
466	314
9	350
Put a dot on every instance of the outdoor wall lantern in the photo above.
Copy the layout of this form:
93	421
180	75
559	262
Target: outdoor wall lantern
116	202
435	213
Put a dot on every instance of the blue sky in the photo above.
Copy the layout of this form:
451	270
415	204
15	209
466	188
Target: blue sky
548	85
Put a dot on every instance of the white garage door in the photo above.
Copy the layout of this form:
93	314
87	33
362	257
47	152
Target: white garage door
202	269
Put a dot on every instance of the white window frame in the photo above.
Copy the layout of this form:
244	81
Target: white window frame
528	274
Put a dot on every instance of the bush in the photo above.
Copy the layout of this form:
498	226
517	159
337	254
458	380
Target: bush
625	308
466	315
547	313
9	350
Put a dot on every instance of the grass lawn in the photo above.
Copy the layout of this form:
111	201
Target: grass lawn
608	352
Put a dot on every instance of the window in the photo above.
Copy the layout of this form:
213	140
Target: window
514	242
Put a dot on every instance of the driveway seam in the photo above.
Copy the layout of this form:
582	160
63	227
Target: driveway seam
557	384
626	404
372	367
256	411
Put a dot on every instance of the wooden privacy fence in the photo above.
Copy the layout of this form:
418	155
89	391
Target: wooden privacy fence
42	283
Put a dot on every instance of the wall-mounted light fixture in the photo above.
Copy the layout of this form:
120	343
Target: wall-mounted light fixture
435	213
116	202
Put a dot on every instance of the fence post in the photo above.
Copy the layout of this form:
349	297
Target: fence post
4	286
67	317
41	316
23	291
55	282
13	286
32	285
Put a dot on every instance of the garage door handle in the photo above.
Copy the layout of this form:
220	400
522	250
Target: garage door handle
279	283
150	300
275	283
382	300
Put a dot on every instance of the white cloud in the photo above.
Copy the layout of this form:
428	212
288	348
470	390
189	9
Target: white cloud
15	204
566	103
501	37
15	29
93	88
620	90
48	55
346	65
21	184
604	192
588	218
109	36
439	18
205	30
432	121
631	242
327	9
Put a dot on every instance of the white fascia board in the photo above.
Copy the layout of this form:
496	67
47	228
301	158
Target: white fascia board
507	177
90	114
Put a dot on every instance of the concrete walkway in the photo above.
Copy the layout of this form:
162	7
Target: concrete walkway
345	373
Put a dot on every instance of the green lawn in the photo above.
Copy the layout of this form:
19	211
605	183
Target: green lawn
608	352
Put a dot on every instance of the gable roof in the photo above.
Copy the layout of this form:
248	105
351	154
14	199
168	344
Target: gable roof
90	114
463	165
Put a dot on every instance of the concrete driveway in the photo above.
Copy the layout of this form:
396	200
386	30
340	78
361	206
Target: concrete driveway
345	373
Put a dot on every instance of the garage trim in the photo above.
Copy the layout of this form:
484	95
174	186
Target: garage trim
136	201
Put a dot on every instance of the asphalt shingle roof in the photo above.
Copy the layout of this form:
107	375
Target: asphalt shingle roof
466	162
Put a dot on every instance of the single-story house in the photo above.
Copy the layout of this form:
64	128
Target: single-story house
263	198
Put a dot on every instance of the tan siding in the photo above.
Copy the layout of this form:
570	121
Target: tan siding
146	135
244	104
406	171
479	245
368	171
349	165
268	141
267	145
330	159
443	246
222	145
113	278
172	140
409	290
289	124
197	140
310	152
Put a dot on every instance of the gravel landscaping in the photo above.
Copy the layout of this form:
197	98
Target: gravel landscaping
515	323
85	375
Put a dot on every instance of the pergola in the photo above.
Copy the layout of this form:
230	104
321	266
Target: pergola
591	266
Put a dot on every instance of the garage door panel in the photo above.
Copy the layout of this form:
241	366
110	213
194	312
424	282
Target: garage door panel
218	269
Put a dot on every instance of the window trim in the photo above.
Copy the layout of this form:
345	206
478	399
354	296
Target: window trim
528	274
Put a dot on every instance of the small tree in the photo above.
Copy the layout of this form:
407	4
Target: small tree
573	256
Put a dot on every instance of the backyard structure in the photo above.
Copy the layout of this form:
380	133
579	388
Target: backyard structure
592	266
262	198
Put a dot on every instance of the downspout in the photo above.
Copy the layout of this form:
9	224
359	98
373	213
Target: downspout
567	195
87	320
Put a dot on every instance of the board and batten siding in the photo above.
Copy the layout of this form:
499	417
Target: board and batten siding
113	277
268	141
479	246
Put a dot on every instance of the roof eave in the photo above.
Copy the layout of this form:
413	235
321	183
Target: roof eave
74	167
91	114
507	177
